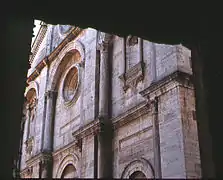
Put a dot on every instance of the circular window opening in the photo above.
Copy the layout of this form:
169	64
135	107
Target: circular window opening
70	84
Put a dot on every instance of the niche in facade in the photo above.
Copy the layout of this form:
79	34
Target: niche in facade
31	105
133	63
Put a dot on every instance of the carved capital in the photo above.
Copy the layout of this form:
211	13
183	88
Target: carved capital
50	94
78	143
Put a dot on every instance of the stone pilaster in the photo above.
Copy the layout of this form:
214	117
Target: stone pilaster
48	130
46	165
153	63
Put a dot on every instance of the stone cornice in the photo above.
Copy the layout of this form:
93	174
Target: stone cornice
173	80
91	128
131	114
63	149
95	126
38	158
47	60
37	42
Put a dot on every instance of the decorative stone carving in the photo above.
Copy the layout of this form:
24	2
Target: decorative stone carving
50	94
142	165
29	146
29	172
78	143
32	108
132	40
133	76
103	41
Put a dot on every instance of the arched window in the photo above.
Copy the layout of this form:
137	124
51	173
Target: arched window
69	172
31	111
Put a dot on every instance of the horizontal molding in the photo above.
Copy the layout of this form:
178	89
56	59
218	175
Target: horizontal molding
37	42
37	158
65	148
167	83
131	114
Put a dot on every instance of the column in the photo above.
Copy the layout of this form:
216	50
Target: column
104	82
156	140
104	135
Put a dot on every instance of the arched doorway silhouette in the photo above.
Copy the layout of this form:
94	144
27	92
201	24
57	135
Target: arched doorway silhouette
137	175
69	172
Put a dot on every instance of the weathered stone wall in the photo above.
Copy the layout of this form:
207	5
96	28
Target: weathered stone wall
89	82
67	120
121	100
132	142
166	60
69	154
184	59
87	157
171	135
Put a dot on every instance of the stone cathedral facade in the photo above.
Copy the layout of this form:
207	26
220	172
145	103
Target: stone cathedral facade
99	105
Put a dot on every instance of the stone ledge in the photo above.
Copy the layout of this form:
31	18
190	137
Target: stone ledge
38	158
88	129
165	84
